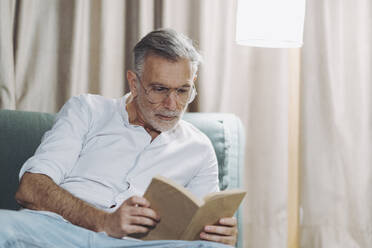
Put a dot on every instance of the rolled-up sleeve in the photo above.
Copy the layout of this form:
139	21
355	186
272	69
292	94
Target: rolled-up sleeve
60	147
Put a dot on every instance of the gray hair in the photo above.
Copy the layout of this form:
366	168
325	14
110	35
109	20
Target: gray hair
168	44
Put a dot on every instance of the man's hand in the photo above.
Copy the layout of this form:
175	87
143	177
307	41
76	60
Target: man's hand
133	216
224	232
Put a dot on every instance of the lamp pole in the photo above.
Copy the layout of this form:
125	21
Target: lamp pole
294	153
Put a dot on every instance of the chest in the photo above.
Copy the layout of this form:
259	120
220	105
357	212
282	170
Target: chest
118	156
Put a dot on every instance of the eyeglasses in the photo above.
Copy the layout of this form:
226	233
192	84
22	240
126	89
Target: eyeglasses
158	93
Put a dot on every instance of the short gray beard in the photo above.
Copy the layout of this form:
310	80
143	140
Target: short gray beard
151	119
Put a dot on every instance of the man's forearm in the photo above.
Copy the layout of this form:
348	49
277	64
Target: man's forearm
39	192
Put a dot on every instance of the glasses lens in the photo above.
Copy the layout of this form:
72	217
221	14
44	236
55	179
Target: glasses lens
158	94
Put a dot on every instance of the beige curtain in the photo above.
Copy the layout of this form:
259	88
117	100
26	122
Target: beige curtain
7	81
337	125
51	50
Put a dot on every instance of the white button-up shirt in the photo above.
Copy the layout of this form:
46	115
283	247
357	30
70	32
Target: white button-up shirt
93	152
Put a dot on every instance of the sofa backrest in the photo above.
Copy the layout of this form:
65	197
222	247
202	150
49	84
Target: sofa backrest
20	135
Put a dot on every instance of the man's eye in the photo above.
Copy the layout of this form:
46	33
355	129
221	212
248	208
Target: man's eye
160	89
182	91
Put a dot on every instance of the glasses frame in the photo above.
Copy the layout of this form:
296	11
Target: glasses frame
191	97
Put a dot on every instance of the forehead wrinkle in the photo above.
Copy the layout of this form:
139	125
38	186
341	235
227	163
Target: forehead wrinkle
187	84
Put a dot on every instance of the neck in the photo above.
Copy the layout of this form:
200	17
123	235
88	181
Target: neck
135	118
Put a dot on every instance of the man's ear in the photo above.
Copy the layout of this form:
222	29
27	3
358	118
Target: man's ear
132	81
195	77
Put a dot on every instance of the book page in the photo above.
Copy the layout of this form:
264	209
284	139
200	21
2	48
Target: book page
217	205
225	193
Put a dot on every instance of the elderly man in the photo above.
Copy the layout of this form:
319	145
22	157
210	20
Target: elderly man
84	184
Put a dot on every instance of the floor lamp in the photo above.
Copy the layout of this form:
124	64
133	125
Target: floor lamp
279	24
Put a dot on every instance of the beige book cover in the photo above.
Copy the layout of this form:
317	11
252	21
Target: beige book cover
183	216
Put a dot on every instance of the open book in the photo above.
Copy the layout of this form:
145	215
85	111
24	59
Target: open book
183	216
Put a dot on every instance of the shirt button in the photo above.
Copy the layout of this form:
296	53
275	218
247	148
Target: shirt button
128	184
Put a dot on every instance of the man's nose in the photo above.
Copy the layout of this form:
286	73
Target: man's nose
170	102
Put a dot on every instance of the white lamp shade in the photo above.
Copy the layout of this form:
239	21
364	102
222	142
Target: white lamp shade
270	23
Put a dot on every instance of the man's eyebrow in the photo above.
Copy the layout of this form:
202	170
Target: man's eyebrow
186	85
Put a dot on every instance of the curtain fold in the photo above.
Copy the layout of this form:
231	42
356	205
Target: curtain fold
337	128
7	70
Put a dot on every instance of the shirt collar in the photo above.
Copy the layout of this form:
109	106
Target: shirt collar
123	109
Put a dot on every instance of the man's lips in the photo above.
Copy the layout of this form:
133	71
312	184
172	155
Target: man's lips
166	118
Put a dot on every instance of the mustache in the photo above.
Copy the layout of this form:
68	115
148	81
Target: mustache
169	113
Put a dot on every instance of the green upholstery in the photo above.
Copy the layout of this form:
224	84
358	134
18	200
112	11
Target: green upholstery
21	132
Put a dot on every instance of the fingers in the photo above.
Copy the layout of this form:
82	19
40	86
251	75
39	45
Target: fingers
230	240
137	216
225	232
221	230
138	224
133	216
138	200
228	221
145	212
136	229
137	220
139	206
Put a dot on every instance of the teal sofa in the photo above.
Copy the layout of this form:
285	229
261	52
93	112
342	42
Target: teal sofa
21	132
